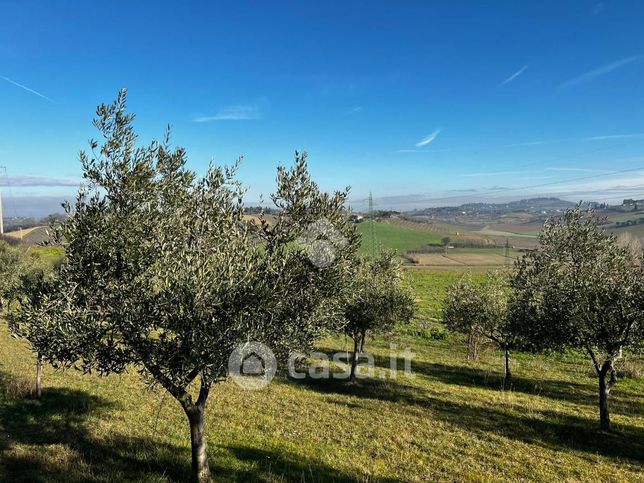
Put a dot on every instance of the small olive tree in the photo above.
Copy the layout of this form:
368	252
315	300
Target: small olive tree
163	274
480	308
11	267
21	272
379	300
580	289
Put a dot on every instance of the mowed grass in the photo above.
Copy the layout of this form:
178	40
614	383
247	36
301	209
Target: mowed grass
450	421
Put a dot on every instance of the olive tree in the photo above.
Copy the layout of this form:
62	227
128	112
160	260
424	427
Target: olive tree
378	300
20	273
163	274
580	289
11	262
480	308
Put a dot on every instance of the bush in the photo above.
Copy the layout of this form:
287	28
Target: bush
424	332
632	369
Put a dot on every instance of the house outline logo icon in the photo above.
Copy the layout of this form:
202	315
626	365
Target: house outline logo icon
252	365
322	241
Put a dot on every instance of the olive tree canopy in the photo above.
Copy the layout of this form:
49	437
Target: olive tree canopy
480	307
165	274
581	289
378	301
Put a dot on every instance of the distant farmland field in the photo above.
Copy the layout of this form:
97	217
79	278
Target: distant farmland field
397	238
463	259
621	217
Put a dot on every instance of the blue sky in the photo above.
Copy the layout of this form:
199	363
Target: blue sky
419	102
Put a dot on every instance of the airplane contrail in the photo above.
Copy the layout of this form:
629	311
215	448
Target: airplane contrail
26	88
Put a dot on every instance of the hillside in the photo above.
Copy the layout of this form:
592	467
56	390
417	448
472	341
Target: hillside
31	236
380	429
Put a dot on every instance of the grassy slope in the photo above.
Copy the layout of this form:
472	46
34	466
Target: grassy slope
49	254
448	422
398	238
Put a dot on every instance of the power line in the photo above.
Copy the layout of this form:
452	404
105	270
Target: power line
541	185
527	165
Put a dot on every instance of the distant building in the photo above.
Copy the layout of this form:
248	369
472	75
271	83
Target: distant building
632	205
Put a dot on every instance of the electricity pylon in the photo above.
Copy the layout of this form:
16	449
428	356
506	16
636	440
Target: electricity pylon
372	229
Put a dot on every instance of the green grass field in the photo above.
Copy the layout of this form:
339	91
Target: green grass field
395	237
48	254
631	215
450	421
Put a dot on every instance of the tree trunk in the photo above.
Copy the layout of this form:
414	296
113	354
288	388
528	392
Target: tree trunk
507	373
362	341
473	344
196	417
604	393
354	359
39	377
200	468
604	414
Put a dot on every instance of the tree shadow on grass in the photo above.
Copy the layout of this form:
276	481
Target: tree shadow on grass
622	401
552	429
51	439
556	430
279	466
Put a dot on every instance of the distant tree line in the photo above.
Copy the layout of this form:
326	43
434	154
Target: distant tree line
459	243
256	210
638	221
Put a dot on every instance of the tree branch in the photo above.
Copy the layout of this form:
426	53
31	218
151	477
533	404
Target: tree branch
613	377
204	390
592	356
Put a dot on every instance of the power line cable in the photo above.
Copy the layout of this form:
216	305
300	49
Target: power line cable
561	160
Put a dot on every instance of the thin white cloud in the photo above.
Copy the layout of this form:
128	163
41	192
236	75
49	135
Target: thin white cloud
600	71
353	110
532	178
428	139
529	143
242	112
614	136
493	173
579	170
28	89
28	181
515	75
633	180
